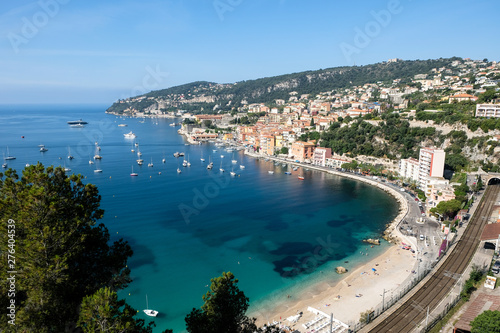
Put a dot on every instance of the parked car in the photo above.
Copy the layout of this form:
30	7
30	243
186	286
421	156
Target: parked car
496	267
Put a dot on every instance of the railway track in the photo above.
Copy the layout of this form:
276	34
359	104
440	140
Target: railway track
413	311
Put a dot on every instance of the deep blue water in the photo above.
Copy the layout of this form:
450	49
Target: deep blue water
275	233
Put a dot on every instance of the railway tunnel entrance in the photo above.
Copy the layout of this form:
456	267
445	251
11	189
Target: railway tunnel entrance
494	181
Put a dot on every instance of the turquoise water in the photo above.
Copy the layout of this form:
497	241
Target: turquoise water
275	233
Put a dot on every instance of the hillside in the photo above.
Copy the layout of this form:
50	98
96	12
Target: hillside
207	95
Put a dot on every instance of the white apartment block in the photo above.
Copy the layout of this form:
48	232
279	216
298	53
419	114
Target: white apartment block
409	169
431	164
426	171
488	110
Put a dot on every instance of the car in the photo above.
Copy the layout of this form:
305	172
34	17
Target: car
496	267
423	214
422	237
416	199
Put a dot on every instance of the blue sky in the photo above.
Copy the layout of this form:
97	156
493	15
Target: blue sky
71	51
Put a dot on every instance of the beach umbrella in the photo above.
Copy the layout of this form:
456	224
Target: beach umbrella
373	269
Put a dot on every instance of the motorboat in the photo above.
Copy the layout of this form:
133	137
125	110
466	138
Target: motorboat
77	122
129	135
43	149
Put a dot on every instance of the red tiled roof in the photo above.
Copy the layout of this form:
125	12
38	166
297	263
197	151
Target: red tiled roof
491	231
482	303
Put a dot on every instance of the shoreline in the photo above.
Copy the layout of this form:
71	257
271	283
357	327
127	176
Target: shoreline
356	291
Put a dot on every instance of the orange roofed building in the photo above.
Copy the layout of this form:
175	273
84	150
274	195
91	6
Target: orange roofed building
302	151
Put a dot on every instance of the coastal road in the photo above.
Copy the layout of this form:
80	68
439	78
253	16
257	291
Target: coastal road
409	314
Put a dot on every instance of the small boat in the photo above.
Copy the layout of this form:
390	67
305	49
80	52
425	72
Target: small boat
234	161
4	165
149	312
96	155
242	166
140	161
129	135
179	170
233	173
222	170
70	157
97	171
181	154
288	173
133	174
184	163
8	158
271	172
163	160
77	122
122	125
301	177
176	154
91	162
221	156
43	149
150	165
27	165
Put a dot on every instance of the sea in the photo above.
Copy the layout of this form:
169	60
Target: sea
277	234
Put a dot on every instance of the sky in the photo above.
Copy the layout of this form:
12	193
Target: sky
73	51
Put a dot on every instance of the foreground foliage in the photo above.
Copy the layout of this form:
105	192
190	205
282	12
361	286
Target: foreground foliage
61	255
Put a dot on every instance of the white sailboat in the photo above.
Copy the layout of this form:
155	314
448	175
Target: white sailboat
202	159
70	157
221	169
133	174
9	157
151	164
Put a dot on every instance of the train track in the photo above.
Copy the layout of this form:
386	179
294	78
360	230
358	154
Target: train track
413	311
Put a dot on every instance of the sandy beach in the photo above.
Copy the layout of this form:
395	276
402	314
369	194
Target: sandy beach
360	290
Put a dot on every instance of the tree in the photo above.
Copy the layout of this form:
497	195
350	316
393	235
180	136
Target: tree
103	312
486	322
61	255
223	311
284	150
312	122
448	208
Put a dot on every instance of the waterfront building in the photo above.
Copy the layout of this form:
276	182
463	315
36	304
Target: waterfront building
320	155
409	169
431	164
302	151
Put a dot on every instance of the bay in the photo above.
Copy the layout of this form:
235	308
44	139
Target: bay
275	233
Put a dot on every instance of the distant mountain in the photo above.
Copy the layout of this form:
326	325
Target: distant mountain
209	95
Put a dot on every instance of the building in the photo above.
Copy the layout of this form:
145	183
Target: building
409	169
488	110
320	155
302	151
439	190
431	164
267	145
462	98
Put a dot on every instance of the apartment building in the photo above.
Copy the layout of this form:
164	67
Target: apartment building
488	110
